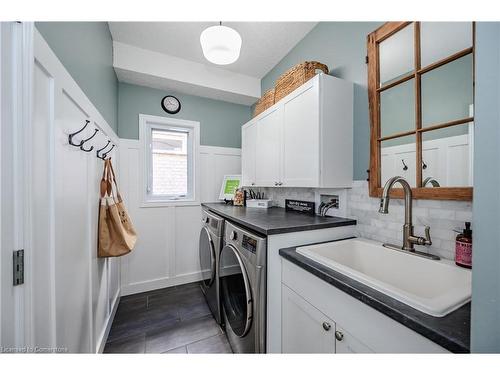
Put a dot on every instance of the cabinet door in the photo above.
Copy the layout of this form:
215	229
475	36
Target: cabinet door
300	148
346	343
304	328
268	157
248	152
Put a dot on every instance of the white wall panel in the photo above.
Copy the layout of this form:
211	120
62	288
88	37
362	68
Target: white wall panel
167	249
74	293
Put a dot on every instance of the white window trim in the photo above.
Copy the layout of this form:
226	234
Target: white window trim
146	123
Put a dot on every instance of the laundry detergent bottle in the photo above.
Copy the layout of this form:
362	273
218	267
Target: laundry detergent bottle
463	248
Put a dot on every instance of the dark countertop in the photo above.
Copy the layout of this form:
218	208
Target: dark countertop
275	220
451	331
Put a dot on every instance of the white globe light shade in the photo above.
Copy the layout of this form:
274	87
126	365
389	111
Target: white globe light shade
221	45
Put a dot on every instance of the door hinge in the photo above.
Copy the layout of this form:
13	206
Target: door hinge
18	267
366	59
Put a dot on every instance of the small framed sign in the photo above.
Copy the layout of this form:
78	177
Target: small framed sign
302	207
230	184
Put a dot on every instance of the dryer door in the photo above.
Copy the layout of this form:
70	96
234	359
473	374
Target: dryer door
236	293
207	258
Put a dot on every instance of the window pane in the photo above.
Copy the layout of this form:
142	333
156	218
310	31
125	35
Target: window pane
447	156
397	109
398	158
439	40
396	55
447	92
169	162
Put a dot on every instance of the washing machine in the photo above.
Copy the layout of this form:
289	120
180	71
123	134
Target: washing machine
210	245
242	280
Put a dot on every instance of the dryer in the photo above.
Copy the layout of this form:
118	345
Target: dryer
242	278
210	245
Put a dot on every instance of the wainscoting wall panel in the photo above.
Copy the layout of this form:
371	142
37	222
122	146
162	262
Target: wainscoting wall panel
167	249
73	293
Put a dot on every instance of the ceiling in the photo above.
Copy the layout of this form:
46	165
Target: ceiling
264	43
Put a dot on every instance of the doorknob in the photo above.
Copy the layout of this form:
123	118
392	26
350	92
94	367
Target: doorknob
339	335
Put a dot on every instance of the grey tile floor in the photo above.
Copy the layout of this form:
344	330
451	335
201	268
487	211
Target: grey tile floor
170	320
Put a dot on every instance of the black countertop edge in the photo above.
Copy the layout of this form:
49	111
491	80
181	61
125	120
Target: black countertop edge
266	229
451	331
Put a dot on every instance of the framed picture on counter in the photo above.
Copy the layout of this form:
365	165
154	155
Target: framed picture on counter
230	183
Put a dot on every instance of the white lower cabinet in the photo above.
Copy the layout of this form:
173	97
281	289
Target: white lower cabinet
316	317
347	343
305	328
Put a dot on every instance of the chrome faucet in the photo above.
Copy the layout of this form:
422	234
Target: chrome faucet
409	239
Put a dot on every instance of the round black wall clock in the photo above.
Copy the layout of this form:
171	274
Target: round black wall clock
171	104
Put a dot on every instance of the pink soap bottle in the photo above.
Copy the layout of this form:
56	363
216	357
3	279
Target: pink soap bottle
463	248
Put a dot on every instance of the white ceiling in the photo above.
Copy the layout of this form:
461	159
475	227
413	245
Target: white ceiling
264	43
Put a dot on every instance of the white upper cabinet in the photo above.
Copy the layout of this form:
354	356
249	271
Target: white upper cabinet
304	140
268	158
300	146
248	151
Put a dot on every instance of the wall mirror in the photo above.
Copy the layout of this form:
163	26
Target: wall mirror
421	98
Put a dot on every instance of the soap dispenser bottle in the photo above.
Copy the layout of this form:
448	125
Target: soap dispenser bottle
463	248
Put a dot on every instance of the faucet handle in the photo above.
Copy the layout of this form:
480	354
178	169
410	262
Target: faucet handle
428	240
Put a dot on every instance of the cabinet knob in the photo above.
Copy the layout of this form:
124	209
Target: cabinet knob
275	184
339	335
253	183
326	326
280	183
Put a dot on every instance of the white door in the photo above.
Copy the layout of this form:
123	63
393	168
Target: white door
248	153
15	80
268	157
301	138
305	329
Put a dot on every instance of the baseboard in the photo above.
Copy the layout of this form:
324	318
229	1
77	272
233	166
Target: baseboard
109	323
145	286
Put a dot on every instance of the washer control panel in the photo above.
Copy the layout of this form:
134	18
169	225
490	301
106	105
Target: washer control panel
249	243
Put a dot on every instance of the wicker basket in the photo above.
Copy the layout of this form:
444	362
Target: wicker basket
295	77
264	103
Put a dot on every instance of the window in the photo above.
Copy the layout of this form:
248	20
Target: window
169	148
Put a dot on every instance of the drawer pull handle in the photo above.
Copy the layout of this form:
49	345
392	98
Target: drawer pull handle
339	335
326	326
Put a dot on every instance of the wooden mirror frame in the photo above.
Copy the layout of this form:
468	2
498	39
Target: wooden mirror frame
373	40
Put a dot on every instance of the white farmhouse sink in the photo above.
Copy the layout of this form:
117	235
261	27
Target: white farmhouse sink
435	287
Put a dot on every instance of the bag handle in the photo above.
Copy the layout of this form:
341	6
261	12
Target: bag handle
112	178
106	187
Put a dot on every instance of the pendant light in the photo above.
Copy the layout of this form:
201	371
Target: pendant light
221	44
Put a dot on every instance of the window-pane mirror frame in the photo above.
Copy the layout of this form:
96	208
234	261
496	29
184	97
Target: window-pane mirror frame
373	40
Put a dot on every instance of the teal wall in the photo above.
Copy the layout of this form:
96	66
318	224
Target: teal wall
220	122
342	46
86	51
485	325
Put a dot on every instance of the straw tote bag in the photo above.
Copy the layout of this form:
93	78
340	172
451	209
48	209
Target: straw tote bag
117	235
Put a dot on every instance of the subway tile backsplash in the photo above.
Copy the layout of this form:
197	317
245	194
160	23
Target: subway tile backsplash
442	216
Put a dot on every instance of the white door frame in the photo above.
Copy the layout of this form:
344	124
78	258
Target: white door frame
16	70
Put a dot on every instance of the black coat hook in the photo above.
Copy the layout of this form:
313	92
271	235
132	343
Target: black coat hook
405	167
102	149
70	137
105	155
424	166
85	140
